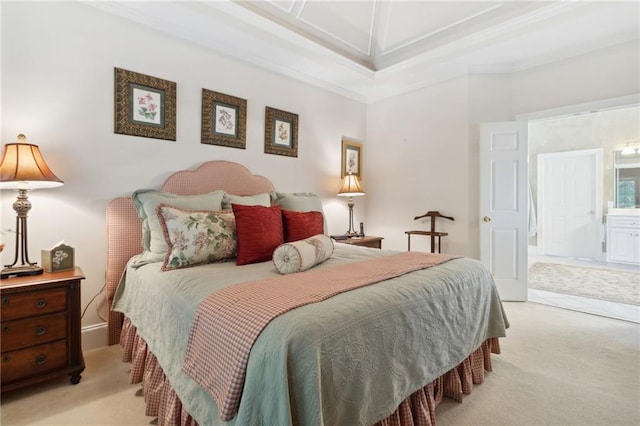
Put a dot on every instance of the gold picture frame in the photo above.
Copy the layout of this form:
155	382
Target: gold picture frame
280	132
351	158
144	105
224	120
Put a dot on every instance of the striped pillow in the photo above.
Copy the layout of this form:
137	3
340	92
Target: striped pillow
301	255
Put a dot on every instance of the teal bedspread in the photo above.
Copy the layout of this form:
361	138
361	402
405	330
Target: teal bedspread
346	361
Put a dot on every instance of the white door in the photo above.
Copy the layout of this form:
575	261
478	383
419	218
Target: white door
570	204
503	206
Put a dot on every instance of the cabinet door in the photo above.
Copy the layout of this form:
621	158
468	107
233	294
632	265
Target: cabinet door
636	248
622	245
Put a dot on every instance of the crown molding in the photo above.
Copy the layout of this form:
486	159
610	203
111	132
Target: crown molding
248	37
315	64
387	50
366	52
583	108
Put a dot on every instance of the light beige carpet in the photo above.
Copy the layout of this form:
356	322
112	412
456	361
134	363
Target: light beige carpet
595	283
557	367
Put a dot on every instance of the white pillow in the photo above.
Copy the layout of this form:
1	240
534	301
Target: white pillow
301	255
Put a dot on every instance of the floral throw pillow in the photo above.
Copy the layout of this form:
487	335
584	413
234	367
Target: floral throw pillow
196	237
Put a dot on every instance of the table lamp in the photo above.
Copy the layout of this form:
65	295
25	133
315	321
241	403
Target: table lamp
350	188
23	169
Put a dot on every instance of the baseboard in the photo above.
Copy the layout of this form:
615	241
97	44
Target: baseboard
95	336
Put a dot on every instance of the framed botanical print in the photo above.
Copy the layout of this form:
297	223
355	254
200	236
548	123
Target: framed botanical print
351	158
280	132
144	105
224	120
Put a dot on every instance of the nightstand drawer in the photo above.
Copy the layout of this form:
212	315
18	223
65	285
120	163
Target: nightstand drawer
33	361
373	243
366	241
33	331
28	304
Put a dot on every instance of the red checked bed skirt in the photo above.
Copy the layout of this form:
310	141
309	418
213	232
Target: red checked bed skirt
417	410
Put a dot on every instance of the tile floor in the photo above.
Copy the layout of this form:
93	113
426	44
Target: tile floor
584	304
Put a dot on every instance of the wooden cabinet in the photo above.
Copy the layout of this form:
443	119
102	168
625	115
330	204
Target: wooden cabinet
623	239
40	328
368	241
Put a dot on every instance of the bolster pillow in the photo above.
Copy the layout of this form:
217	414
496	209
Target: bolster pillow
301	255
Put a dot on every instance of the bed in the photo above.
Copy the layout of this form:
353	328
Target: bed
385	353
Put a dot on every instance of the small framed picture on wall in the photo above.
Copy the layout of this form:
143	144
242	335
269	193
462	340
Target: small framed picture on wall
144	105
280	132
351	158
224	120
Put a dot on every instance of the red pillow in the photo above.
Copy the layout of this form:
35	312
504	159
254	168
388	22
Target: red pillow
259	232
300	225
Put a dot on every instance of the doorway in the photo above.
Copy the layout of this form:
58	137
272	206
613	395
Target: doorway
572	176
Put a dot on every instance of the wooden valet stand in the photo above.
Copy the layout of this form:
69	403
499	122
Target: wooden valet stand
432	233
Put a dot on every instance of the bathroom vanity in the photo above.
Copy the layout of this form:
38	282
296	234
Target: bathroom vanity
623	235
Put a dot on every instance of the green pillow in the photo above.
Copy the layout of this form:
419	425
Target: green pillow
146	201
263	199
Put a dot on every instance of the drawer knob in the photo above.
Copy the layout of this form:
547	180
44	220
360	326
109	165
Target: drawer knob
5	358
41	359
41	303
40	331
5	328
5	300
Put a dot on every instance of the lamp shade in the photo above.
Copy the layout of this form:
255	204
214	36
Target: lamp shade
351	186
23	167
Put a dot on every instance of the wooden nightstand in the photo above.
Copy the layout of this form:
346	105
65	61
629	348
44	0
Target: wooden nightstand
367	241
40	328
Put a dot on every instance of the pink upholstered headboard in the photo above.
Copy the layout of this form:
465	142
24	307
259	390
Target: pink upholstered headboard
124	229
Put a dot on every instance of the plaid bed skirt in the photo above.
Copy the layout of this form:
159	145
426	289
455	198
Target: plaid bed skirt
417	410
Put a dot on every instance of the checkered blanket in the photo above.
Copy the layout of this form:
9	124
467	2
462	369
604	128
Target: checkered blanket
228	322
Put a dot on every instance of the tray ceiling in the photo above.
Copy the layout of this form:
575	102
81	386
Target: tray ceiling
372	49
378	34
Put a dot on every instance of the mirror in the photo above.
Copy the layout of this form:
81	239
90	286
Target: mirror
627	179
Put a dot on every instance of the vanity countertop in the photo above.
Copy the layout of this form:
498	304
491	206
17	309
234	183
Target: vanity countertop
623	212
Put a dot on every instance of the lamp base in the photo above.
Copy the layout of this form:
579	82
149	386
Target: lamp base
19	271
351	234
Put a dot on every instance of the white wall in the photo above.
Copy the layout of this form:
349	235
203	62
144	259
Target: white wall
426	142
418	148
603	74
58	63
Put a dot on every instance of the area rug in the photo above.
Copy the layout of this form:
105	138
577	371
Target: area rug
595	283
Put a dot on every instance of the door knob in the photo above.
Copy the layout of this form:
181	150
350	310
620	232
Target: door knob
486	219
